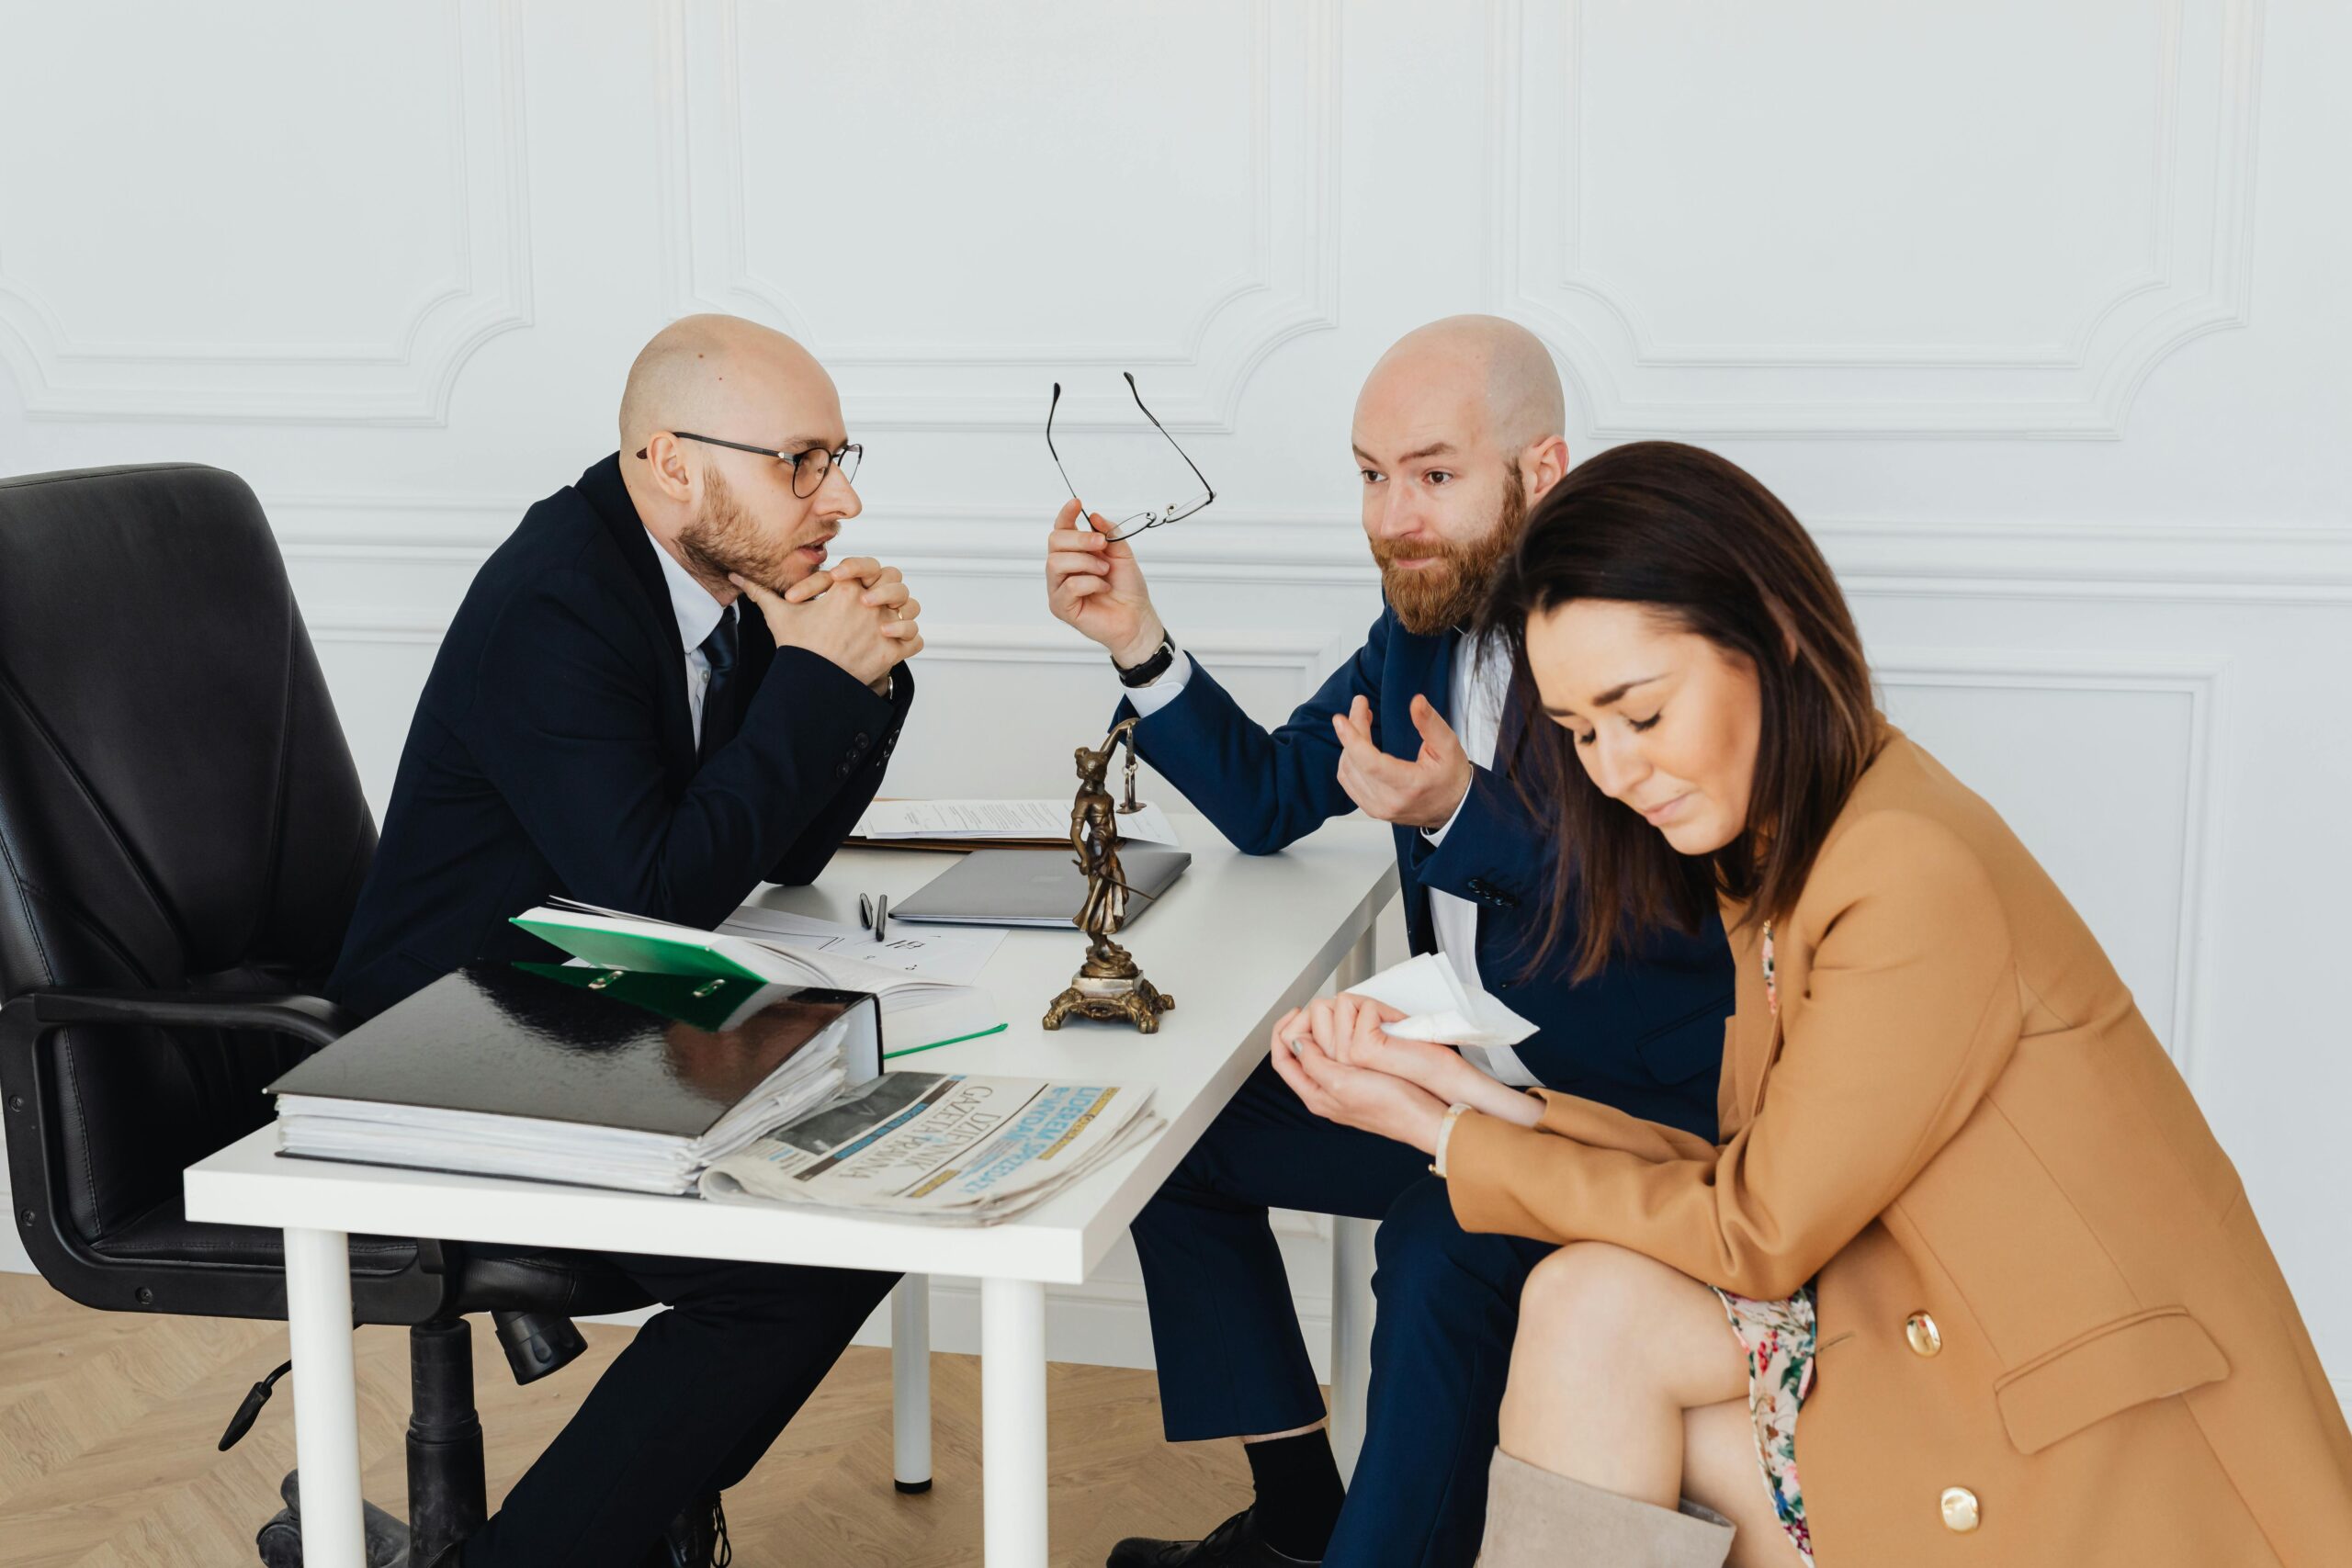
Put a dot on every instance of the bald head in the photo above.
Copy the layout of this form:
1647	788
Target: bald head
1457	432
718	511
1484	365
726	376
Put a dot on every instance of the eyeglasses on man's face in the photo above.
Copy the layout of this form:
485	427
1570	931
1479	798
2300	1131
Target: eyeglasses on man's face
1134	523
808	468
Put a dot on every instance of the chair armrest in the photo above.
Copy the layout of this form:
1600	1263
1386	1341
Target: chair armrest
312	1018
34	1151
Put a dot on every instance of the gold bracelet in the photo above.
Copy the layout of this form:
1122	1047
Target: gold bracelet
1445	1133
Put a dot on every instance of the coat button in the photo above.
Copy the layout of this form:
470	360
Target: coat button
1925	1336
1959	1509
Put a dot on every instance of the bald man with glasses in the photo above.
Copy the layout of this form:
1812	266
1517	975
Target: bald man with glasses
662	690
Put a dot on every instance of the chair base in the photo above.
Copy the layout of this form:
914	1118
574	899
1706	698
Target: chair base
447	1499
280	1543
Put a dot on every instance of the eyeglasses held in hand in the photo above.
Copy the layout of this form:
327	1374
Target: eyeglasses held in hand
1134	523
808	468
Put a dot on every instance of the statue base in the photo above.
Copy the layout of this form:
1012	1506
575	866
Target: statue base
1111	999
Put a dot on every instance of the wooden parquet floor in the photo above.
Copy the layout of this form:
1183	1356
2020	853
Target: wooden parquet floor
107	1422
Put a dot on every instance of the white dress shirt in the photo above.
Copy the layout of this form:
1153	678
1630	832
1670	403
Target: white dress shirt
1480	680
698	615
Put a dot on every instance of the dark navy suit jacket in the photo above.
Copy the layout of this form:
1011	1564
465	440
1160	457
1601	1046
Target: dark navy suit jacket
1647	1034
553	752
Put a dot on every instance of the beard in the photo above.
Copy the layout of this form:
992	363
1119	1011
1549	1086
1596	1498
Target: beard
723	538
1430	598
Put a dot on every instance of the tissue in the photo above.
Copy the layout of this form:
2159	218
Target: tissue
1440	1006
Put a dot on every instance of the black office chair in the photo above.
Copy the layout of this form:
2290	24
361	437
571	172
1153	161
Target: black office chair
182	838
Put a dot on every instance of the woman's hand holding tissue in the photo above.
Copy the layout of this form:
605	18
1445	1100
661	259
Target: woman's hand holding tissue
1367	1098
1340	1060
1352	1029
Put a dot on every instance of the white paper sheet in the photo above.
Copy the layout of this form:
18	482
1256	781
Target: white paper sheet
981	820
1438	1007
955	956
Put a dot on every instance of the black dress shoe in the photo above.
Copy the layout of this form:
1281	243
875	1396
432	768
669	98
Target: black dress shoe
696	1538
1233	1544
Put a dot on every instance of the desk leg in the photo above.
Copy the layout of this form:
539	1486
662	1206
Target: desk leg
1352	1310
1361	964
326	1406
1351	1285
1012	1423
910	1383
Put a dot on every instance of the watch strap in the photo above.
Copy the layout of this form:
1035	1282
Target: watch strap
1151	669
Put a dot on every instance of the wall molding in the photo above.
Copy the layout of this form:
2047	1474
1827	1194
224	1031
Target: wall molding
2197	278
2262	564
2203	680
405	382
1194	381
1310	656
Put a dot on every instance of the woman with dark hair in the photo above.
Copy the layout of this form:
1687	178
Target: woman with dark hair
1964	1215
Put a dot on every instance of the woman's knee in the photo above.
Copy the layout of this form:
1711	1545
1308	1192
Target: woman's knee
1592	1294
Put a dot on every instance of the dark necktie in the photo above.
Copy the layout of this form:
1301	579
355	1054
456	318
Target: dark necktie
718	696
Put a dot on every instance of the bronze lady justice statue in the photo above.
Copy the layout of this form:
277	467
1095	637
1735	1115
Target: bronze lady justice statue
1108	985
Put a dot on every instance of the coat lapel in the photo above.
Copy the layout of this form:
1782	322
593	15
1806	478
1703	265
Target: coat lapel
1439	687
1752	1036
603	486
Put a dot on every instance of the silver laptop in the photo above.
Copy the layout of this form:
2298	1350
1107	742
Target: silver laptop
1034	887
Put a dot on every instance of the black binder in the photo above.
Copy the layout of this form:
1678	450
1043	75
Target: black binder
662	1056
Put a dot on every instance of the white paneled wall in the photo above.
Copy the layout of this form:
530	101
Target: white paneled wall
2035	313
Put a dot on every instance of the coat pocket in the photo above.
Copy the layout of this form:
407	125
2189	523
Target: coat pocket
2150	1355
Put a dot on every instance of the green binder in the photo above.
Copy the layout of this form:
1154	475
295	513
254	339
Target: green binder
695	952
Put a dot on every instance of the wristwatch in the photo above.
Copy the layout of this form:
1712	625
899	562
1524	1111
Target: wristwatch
1151	669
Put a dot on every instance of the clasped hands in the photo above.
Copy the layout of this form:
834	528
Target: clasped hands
868	628
1347	1069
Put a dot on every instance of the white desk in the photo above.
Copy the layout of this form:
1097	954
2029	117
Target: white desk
1238	941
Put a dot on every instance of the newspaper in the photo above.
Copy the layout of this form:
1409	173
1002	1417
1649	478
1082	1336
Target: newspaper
947	1147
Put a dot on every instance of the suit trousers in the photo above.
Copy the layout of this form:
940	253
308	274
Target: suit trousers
685	1411
1225	1336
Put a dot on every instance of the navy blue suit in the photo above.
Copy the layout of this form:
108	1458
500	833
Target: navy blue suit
553	751
1645	1035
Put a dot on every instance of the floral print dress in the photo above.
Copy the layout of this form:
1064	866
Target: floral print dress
1778	1338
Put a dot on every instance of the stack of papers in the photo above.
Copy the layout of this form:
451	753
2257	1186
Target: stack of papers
995	822
955	958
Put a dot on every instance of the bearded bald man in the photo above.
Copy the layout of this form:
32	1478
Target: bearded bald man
1457	432
661	689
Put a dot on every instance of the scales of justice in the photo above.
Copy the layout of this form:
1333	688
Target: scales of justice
1108	985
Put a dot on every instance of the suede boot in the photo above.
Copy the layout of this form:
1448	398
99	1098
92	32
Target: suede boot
1537	1519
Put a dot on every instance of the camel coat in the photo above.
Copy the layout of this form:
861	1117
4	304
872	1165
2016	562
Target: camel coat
2051	1335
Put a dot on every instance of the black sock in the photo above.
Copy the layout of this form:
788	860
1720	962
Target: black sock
1298	1493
